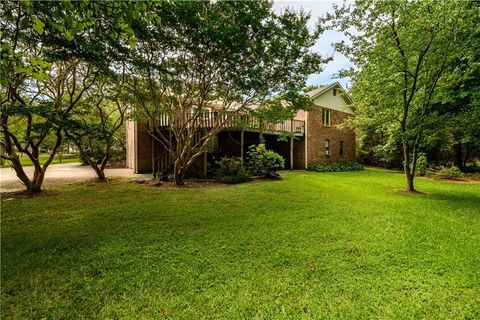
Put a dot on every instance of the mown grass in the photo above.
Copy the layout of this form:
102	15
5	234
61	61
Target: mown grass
64	158
313	245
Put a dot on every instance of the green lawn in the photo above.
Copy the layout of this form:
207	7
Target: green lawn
313	245
65	158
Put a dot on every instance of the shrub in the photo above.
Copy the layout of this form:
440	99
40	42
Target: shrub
239	178
117	154
229	166
472	168
450	173
231	170
263	162
422	164
335	166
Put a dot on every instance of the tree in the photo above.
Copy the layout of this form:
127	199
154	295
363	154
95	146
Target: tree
200	65
401	51
42	78
52	101
94	126
458	105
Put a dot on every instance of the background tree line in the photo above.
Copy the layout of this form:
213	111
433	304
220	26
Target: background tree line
416	83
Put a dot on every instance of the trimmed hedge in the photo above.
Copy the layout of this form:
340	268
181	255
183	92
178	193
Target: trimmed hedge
335	166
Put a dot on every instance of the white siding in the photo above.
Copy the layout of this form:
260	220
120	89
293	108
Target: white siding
131	152
328	100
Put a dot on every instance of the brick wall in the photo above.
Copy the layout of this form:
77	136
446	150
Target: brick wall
317	134
299	153
144	150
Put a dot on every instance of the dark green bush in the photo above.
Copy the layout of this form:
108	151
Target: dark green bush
263	162
116	154
472	168
229	166
450	173
231	170
335	166
239	178
422	164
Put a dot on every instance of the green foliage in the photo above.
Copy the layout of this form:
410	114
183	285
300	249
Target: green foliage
472	168
38	26
422	164
450	173
229	166
43	157
241	56
263	162
335	166
402	52
118	151
231	171
239	178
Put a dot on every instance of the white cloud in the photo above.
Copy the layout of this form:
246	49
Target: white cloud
324	43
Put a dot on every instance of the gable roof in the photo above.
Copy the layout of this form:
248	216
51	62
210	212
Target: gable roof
323	89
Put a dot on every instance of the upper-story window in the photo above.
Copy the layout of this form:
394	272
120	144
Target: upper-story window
334	91
326	118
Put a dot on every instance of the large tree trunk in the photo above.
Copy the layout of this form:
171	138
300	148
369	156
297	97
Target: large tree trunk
100	173
467	155
98	168
406	168
35	185
459	155
178	173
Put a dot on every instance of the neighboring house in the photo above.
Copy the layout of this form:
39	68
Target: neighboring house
317	137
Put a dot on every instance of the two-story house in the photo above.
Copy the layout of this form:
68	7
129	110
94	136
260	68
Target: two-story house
316	137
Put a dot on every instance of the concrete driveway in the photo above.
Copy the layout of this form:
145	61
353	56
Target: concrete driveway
64	173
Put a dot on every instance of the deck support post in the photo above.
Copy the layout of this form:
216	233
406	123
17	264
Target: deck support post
153	157
205	173
261	138
291	144
169	158
242	143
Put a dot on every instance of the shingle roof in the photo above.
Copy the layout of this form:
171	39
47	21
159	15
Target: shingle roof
317	91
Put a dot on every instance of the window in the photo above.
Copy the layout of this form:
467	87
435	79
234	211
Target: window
326	118
334	91
327	147
341	148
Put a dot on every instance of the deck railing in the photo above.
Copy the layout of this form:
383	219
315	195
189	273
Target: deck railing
238	121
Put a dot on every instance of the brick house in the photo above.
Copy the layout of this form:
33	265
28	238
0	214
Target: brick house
316	137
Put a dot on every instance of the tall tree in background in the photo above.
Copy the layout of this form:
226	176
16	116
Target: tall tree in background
458	105
401	51
199	64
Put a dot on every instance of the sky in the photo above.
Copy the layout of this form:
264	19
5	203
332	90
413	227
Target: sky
324	44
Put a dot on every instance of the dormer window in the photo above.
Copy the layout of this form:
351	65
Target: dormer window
334	91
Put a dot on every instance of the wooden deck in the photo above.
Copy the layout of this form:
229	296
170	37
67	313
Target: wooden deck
238	122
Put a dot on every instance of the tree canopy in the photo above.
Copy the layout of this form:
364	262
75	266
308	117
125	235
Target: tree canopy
180	58
403	52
